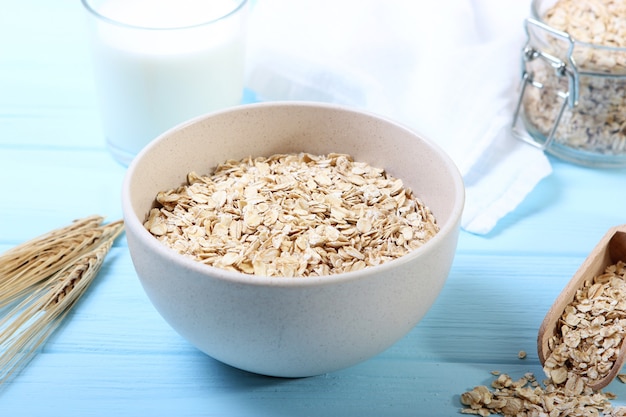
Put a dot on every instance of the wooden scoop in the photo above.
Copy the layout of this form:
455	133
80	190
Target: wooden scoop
610	249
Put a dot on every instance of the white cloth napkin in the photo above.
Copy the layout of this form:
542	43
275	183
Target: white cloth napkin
448	69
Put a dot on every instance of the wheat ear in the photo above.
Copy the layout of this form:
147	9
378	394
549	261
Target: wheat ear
26	265
28	324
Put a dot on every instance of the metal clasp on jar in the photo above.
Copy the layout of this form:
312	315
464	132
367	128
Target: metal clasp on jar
562	68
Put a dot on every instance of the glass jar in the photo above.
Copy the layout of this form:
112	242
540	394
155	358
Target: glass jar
572	99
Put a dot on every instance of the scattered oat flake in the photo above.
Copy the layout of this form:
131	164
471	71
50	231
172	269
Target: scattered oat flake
526	397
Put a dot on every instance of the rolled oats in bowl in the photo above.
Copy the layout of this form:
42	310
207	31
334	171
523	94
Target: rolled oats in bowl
573	97
292	215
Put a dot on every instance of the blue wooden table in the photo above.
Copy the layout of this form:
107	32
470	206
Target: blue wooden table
115	356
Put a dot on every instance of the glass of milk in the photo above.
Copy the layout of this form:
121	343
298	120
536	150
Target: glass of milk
160	62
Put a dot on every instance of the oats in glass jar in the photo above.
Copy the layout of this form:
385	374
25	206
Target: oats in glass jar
576	56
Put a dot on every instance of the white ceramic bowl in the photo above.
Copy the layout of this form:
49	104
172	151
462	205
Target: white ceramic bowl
292	327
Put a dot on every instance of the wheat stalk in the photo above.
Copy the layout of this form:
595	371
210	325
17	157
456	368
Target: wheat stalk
30	322
26	265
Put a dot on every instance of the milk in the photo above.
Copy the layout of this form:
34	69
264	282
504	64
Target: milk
149	80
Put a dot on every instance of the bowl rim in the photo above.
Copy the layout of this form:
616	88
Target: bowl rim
135	225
